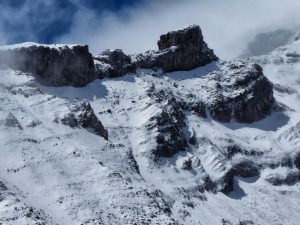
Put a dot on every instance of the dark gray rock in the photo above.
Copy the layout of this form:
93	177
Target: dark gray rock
243	93
184	50
193	138
196	107
83	115
178	50
148	60
88	119
12	121
226	222
286	161
187	164
290	179
297	161
113	64
220	109
70	120
246	222
243	169
170	124
61	66
235	149
132	162
2	186
250	110
284	89
237	90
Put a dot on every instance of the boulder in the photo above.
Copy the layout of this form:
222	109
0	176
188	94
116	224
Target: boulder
52	65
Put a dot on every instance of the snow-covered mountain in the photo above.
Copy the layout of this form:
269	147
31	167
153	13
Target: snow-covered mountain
174	136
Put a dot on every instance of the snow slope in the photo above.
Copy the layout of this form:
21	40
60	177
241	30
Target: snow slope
51	173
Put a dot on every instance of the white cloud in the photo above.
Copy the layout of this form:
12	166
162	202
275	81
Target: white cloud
227	25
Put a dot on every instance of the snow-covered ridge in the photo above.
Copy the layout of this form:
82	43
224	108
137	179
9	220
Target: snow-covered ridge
32	44
167	159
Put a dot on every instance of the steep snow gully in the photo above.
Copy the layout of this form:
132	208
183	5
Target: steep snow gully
169	136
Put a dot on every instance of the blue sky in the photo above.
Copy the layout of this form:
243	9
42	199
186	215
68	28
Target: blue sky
135	25
49	19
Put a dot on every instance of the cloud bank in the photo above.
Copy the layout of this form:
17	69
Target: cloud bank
227	25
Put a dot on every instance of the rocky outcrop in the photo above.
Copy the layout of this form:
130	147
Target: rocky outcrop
178	50
235	90
113	64
183	49
234	149
290	178
170	123
83	115
12	121
243	169
52	65
240	92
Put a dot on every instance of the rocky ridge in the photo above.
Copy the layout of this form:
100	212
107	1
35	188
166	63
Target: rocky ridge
56	65
183	49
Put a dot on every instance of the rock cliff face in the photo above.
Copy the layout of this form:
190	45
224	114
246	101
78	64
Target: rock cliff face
52	66
82	114
113	63
241	92
184	50
178	50
170	123
237	90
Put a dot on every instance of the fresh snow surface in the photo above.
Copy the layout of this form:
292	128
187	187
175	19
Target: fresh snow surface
54	174
32	44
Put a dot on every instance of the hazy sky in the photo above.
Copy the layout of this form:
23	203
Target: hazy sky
135	25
